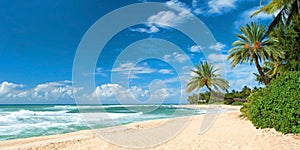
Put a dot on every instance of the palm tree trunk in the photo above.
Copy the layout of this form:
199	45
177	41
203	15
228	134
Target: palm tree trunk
210	90
211	93
265	80
298	2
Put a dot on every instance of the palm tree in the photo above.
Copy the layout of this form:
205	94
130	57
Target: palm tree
287	8
273	68
206	75
254	46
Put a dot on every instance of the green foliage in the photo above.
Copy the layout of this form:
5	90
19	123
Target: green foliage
230	97
256	95
254	46
288	36
277	106
206	75
284	8
237	103
199	98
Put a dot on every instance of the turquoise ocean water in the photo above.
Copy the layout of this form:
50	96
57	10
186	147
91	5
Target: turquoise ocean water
22	121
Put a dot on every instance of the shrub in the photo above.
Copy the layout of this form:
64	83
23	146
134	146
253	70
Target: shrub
255	96
277	106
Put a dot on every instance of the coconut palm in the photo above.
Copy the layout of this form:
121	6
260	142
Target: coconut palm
287	8
206	75
253	45
273	68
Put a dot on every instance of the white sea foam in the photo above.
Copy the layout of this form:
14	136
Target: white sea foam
95	117
31	121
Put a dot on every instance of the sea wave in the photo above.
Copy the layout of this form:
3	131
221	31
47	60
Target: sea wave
21	115
37	120
96	117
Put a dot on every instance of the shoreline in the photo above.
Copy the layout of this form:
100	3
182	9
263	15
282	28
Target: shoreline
223	134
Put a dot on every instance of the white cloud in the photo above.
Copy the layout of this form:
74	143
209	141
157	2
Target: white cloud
217	57
219	6
44	91
52	90
243	78
152	29
176	57
239	76
138	92
133	69
172	80
166	92
100	71
196	7
6	87
111	91
165	71
106	90
195	48
218	46
179	13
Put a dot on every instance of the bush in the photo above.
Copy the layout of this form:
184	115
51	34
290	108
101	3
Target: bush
254	97
277	106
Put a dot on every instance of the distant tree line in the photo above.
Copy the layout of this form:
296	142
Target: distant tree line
228	98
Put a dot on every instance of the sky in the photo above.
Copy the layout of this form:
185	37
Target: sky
39	41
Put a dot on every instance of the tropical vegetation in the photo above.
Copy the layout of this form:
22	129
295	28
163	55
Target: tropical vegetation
283	8
276	106
275	51
230	98
206	76
254	46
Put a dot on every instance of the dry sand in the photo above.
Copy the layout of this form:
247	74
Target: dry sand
228	131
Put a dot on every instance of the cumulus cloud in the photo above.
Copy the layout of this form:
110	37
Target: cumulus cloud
214	57
106	90
52	91
165	71
7	87
115	92
218	46
196	5
151	29
220	6
133	70
44	91
195	48
179	13
109	91
175	57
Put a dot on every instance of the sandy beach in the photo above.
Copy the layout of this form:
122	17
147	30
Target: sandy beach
228	131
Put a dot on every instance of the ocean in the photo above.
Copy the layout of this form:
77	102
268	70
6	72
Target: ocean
22	121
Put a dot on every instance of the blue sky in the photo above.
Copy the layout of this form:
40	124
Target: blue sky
39	39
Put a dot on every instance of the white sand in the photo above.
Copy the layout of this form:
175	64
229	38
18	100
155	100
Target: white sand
228	131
